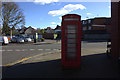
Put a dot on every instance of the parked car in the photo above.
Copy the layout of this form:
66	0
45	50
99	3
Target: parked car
27	39
3	40
14	39
20	40
17	39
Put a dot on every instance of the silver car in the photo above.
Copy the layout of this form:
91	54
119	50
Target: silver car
20	40
17	39
14	39
27	39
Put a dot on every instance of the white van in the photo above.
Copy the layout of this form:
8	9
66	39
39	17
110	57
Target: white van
3	40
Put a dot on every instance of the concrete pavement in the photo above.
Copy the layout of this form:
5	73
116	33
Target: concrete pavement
94	64
14	53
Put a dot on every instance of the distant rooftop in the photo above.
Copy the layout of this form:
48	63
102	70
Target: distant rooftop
96	18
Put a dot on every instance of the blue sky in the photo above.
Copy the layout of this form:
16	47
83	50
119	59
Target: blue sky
42	15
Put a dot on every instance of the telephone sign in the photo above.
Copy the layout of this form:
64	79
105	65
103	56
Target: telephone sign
71	40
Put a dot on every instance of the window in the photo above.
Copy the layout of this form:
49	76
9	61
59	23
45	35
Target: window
89	21
83	22
84	28
89	27
71	29
71	40
71	45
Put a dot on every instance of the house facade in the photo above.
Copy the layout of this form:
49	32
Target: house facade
29	31
49	30
57	29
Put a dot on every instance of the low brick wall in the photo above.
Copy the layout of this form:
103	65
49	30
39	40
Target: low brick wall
48	35
96	36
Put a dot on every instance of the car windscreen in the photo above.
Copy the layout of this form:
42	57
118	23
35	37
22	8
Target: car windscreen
13	37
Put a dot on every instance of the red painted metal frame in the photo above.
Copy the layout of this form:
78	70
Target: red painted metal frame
64	61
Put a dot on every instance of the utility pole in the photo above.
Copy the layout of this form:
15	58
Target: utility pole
11	33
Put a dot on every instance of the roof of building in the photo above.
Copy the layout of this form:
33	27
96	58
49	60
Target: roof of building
97	18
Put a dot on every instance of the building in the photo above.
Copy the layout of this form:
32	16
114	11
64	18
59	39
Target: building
98	23
49	30
22	30
27	31
57	29
96	28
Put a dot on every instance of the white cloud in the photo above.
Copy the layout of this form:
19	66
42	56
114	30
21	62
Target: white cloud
89	14
43	2
109	6
66	9
53	26
60	18
53	22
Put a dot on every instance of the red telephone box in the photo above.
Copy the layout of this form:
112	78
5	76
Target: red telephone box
71	41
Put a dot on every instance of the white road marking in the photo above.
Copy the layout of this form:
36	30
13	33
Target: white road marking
17	50
32	49
55	49
40	49
47	49
2	50
24	49
9	50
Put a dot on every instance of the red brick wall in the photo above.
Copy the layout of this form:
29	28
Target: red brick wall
48	35
97	28
108	28
99	21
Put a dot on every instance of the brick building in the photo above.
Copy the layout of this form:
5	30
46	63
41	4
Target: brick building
49	30
57	29
98	25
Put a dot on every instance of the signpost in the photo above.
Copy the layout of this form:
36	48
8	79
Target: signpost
71	41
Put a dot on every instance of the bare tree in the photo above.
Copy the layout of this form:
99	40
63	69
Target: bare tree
12	16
